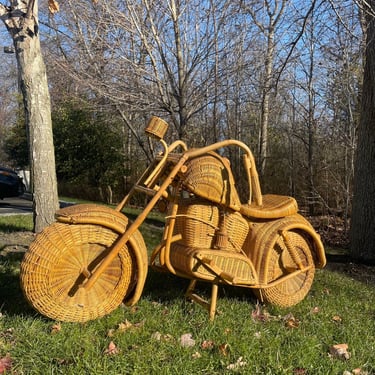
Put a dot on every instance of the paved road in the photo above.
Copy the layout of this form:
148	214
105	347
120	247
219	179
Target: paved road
21	205
15	206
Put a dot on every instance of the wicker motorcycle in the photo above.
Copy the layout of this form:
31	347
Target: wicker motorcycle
93	257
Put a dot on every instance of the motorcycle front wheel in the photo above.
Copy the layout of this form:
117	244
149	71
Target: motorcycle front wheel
55	267
279	264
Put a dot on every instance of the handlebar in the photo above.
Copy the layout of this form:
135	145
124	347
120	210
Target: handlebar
157	128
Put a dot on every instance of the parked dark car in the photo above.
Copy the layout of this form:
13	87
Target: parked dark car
11	185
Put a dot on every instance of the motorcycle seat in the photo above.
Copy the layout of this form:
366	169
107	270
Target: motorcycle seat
273	207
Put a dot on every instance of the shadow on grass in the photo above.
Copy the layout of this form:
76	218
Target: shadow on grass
166	287
12	300
10	228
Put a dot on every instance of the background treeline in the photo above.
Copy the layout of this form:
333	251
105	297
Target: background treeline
282	76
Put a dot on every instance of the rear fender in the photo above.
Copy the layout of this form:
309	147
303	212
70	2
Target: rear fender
263	236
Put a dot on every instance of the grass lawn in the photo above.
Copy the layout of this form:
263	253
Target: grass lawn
165	334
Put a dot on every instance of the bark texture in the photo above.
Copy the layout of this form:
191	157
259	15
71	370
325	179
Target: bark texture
21	20
363	215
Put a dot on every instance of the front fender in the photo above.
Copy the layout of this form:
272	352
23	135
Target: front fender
107	217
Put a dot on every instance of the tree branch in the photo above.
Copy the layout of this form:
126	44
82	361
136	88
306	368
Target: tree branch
296	40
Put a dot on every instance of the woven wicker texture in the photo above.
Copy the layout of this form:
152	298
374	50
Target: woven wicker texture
210	177
295	289
273	207
268	251
53	268
60	256
184	259
107	217
198	221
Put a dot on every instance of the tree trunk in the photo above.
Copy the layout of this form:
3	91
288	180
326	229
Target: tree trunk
22	25
363	215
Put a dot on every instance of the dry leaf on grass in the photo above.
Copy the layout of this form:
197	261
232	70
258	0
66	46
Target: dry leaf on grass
112	349
55	328
356	371
196	355
5	363
339	351
224	349
337	318
161	337
238	364
299	371
260	314
207	344
291	321
124	326
186	340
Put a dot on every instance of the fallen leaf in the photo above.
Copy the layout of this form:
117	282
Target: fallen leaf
224	349
337	318
156	336
259	314
5	363
315	310
111	332
196	355
186	340
55	328
357	371
291	321
207	344
159	337
124	326
112	349
299	371
235	366
339	351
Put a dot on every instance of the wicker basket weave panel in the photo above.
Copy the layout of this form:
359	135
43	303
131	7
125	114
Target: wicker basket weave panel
210	178
184	260
198	221
238	228
52	270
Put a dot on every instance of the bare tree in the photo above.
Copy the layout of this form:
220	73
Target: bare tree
21	20
266	15
145	56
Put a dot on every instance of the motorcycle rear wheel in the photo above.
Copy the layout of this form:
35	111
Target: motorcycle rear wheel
55	266
280	263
